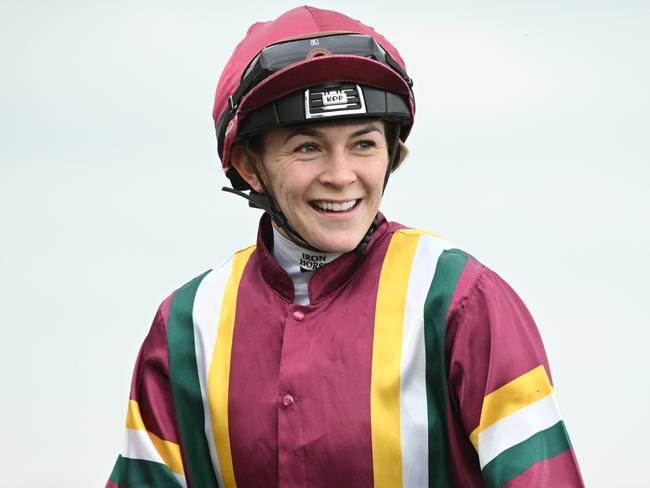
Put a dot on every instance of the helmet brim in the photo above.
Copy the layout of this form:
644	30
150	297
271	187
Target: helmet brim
317	71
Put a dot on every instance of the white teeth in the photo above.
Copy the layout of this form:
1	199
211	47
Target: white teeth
335	206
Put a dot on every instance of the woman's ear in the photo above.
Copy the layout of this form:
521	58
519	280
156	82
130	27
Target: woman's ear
243	166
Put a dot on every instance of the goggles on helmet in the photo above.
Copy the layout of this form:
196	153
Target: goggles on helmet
284	54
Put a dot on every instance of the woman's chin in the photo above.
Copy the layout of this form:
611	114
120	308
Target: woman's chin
334	243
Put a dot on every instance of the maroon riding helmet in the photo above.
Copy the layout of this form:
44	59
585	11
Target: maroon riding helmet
309	65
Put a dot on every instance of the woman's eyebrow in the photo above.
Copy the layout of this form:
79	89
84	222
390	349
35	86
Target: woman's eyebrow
302	131
308	131
366	130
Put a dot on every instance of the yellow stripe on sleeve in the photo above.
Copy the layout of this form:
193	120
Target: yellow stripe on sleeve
133	418
511	397
170	452
219	372
386	355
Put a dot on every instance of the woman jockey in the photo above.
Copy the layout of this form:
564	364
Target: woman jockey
342	350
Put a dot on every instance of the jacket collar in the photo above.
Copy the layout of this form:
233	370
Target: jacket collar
326	280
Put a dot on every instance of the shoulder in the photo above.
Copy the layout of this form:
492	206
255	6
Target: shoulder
217	274
180	305
473	309
451	267
455	279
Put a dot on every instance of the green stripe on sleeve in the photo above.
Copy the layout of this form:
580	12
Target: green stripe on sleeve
448	270
514	461
186	389
137	473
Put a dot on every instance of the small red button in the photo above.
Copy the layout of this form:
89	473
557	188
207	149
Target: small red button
298	315
287	400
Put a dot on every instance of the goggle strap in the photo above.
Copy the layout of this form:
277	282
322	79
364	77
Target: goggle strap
271	207
391	160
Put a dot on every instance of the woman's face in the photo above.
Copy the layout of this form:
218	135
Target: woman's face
328	179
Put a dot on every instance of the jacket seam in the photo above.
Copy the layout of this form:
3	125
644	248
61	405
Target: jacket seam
464	304
313	17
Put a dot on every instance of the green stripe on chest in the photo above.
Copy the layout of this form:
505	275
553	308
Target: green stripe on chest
186	390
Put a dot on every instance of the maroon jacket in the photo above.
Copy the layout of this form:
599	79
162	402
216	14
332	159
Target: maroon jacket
413	366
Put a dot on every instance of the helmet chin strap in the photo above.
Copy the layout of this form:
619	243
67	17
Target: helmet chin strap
265	201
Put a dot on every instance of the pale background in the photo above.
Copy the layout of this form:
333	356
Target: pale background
530	150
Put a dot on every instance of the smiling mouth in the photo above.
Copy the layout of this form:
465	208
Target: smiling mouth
335	207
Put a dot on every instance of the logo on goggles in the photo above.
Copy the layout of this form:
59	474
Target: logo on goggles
336	97
325	102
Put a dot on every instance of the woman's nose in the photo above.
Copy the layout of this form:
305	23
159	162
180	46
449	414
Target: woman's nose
338	170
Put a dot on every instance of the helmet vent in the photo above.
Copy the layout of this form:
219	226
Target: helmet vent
318	52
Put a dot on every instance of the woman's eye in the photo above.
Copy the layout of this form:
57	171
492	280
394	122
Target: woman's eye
366	144
307	147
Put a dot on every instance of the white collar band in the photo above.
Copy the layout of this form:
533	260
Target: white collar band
299	263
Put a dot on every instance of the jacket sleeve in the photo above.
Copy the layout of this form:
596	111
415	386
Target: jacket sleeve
501	390
151	454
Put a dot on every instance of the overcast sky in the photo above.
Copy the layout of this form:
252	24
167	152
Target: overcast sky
530	150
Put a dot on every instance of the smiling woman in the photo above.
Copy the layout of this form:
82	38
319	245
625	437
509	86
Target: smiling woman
328	179
342	350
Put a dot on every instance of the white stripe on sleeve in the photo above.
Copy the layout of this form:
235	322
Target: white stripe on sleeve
517	427
414	421
138	445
